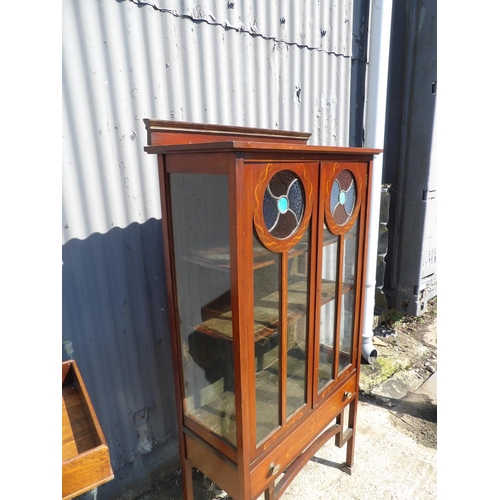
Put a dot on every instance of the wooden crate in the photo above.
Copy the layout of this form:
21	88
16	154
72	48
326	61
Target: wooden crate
85	454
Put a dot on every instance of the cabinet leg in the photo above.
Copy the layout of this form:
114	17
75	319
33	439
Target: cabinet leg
187	480
350	453
269	494
347	466
350	443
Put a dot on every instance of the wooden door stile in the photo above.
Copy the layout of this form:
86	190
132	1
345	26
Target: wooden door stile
315	257
363	230
171	283
283	336
186	468
320	221
240	214
362	253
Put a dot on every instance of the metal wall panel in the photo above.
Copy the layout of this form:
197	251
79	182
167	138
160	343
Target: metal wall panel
270	64
409	162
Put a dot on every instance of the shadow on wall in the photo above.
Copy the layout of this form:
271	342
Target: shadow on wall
115	325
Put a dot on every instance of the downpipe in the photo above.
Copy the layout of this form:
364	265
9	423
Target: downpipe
378	68
368	350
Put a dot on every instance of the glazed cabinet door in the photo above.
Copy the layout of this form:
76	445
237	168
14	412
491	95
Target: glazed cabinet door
343	189
284	198
200	247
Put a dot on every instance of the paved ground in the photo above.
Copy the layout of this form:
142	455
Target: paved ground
396	441
391	460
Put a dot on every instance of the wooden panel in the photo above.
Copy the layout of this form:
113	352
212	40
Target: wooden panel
287	450
304	457
216	163
211	438
213	464
78	432
85	455
85	472
66	369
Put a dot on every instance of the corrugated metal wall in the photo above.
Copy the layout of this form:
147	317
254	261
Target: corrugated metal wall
270	64
410	166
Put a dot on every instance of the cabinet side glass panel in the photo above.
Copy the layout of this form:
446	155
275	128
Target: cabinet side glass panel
266	334
200	222
328	307
297	309
348	297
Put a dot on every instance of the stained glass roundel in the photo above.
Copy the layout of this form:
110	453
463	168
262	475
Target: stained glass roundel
284	204
343	197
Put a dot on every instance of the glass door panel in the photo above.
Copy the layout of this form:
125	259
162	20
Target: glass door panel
342	186
267	338
347	304
328	308
283	206
298	322
200	223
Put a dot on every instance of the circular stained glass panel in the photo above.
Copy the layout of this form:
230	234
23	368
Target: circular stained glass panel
343	198
284	203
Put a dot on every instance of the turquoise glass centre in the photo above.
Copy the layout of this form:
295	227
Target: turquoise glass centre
342	197
283	204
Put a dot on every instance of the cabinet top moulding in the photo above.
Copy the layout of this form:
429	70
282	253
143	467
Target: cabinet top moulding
165	132
171	136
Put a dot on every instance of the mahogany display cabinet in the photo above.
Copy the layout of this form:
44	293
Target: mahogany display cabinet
265	245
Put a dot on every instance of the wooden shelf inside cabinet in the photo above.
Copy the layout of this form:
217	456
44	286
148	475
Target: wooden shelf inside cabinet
333	238
85	455
218	414
217	315
218	258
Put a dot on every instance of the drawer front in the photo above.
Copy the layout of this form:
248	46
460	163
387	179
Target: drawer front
293	444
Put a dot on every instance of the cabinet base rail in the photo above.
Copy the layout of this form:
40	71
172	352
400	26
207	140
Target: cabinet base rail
275	490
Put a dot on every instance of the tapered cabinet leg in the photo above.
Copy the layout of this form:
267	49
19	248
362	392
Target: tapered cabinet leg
187	480
350	443
270	493
350	453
